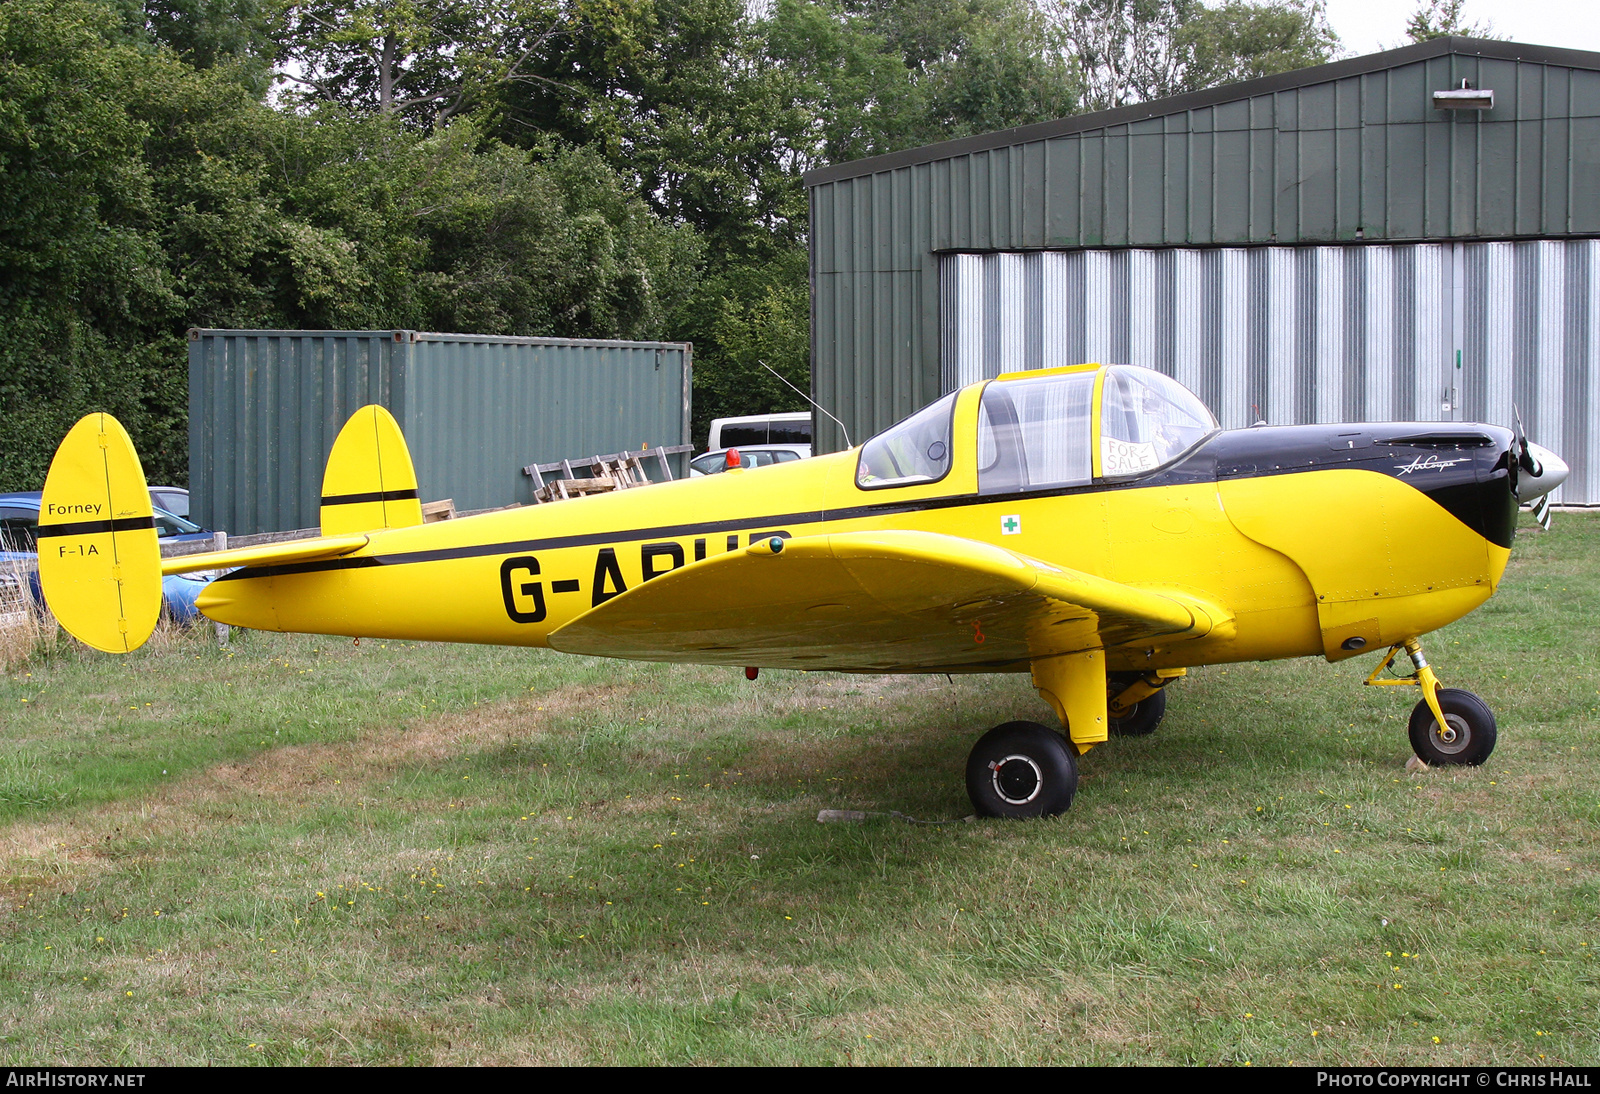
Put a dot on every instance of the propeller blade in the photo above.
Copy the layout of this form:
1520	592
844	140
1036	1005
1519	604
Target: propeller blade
1541	511
1525	458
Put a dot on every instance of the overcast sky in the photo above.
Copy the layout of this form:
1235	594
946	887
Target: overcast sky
1366	26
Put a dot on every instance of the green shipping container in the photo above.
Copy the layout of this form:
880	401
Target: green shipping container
265	406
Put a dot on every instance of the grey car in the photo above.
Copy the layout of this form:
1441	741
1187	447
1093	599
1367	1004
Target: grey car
750	455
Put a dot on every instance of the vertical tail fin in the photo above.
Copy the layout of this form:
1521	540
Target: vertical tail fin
99	561
369	482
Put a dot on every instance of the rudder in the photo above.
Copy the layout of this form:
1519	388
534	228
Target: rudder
369	482
99	558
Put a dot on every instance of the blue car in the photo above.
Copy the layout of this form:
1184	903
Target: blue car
19	559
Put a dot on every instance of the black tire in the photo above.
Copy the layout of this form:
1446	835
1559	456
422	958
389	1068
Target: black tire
1142	720
1470	734
1021	770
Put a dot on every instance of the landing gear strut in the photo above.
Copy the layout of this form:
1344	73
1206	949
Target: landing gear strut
1137	701
1449	726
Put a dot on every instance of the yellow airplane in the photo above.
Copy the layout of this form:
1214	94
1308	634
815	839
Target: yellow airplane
1089	525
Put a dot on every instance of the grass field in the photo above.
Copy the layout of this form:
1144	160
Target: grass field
308	851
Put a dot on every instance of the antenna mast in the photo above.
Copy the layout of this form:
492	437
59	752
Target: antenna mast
810	400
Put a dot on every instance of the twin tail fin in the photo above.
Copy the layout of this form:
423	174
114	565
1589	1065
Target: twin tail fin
369	482
100	562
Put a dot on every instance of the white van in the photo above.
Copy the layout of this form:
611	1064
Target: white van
786	429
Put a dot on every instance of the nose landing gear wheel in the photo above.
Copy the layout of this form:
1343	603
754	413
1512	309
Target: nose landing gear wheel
1020	770
1468	734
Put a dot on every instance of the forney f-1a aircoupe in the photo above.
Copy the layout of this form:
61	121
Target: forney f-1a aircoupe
1090	525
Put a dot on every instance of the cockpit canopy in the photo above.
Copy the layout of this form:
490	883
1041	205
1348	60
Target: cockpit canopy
1147	421
1040	432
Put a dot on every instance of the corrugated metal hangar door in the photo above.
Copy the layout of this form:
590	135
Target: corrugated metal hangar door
1366	332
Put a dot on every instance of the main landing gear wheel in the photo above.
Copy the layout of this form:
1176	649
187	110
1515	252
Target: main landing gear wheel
1020	770
1467	737
1143	717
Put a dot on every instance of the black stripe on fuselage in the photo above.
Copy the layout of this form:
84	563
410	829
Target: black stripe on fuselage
1222	456
628	535
374	495
92	527
479	550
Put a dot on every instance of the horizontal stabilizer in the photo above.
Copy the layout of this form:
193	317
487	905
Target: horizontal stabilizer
267	554
879	601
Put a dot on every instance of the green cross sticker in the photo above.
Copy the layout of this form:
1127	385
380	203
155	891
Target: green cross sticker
1010	525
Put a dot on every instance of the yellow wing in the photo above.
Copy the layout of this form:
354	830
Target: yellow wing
879	602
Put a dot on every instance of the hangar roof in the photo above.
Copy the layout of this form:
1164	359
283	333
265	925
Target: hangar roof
1181	105
1353	150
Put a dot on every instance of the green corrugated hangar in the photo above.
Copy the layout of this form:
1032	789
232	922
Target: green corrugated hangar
1409	235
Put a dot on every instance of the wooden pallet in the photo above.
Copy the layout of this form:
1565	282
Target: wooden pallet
618	471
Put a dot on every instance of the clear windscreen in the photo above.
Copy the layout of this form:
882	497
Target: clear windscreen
915	450
18	530
169	524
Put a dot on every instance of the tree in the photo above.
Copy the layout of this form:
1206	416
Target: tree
679	96
1132	51
82	280
1003	72
555	245
140	195
852	94
230	34
743	320
874	76
1241	41
342	220
1441	19
425	60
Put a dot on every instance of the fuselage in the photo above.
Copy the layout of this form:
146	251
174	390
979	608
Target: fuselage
1319	539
